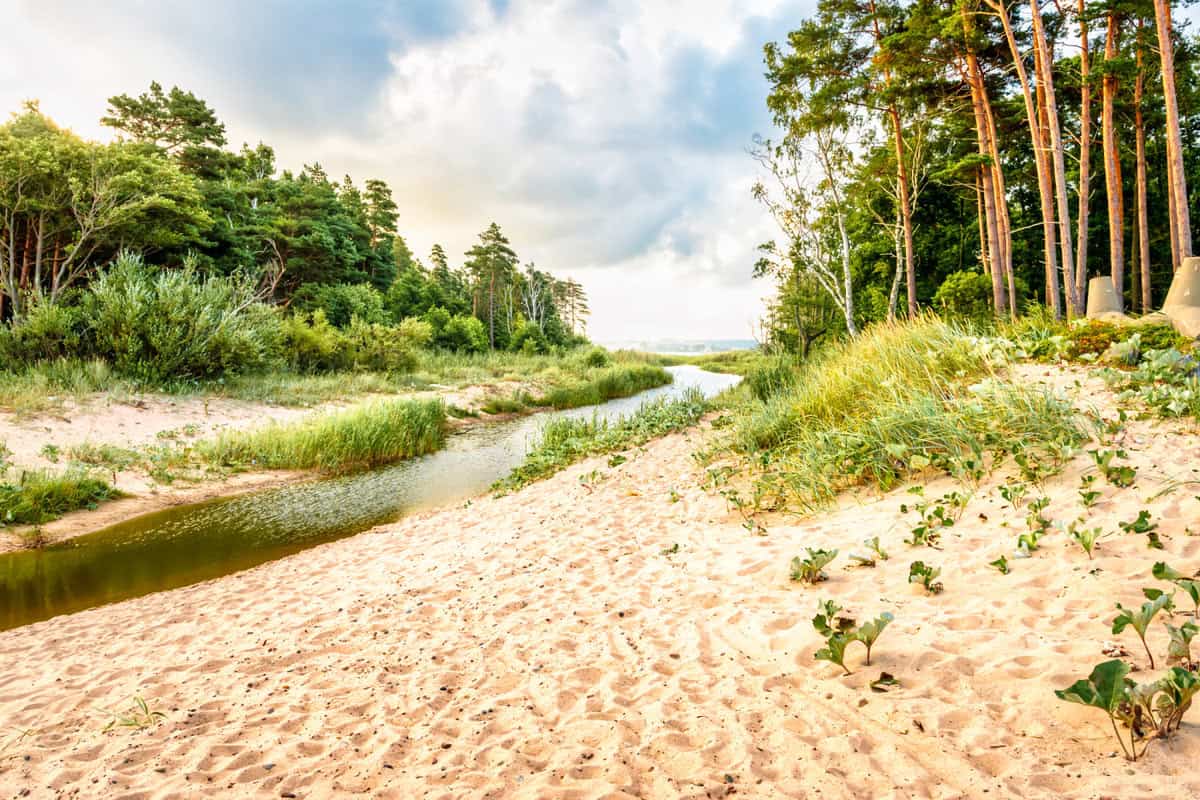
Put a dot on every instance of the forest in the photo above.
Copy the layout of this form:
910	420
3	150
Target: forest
974	157
170	255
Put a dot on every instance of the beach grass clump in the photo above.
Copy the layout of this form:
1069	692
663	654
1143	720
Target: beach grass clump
899	399
606	383
34	497
366	436
566	440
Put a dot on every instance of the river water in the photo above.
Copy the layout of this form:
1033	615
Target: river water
186	544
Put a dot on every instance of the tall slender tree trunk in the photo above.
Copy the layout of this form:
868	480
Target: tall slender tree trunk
1112	163
1049	223
1139	130
910	267
1176	178
993	252
1085	158
1041	168
898	245
1045	62
984	258
1002	216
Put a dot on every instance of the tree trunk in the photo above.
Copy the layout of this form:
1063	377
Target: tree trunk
994	254
1002	216
1112	164
910	266
1177	179
1045	62
1041	168
1085	159
1140	134
894	294
1053	292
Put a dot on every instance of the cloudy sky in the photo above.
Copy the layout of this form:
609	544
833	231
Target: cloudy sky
607	137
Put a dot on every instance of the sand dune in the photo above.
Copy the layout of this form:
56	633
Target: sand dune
542	645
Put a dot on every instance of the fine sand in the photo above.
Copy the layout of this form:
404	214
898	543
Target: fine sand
543	645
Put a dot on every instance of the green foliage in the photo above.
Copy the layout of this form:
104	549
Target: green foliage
45	332
366	436
1014	493
38	496
774	377
138	716
1166	381
934	517
1179	649
965	294
342	303
1120	475
1143	525
1086	537
896	400
811	569
1189	585
1139	619
1149	710
1087	495
155	325
840	632
596	357
926	576
620	380
1001	565
565	440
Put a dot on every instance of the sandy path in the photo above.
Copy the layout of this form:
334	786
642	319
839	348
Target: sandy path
541	645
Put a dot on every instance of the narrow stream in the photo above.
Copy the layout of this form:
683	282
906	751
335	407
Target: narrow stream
186	544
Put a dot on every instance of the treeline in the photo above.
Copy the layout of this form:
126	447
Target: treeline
167	196
975	156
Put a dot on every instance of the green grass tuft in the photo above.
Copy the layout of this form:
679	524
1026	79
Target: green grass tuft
370	435
39	496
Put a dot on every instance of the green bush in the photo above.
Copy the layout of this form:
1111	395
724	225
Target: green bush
965	294
528	339
157	325
462	334
45	332
1092	337
311	344
343	302
596	357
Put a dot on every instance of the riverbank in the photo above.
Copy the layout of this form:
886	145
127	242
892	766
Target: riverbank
155	451
616	631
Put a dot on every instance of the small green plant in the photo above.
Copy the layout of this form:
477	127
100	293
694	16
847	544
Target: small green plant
934	517
1001	565
873	545
1143	525
1014	493
1087	495
673	495
1179	649
1086	537
812	568
1034	467
919	572
1190	586
617	460
138	716
50	452
1139	619
1149	710
670	551
1121	476
840	632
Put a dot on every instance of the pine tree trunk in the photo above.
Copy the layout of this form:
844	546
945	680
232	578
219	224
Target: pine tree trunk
1003	220
1142	216
993	252
1049	223
1177	179
1112	164
1045	62
1085	159
1041	168
910	267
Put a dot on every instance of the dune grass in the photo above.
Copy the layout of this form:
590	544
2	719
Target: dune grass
565	440
896	400
38	496
366	436
606	383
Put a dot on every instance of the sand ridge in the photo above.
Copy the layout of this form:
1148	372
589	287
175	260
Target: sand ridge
543	645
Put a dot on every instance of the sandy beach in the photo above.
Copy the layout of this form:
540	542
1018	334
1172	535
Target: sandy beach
544	644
